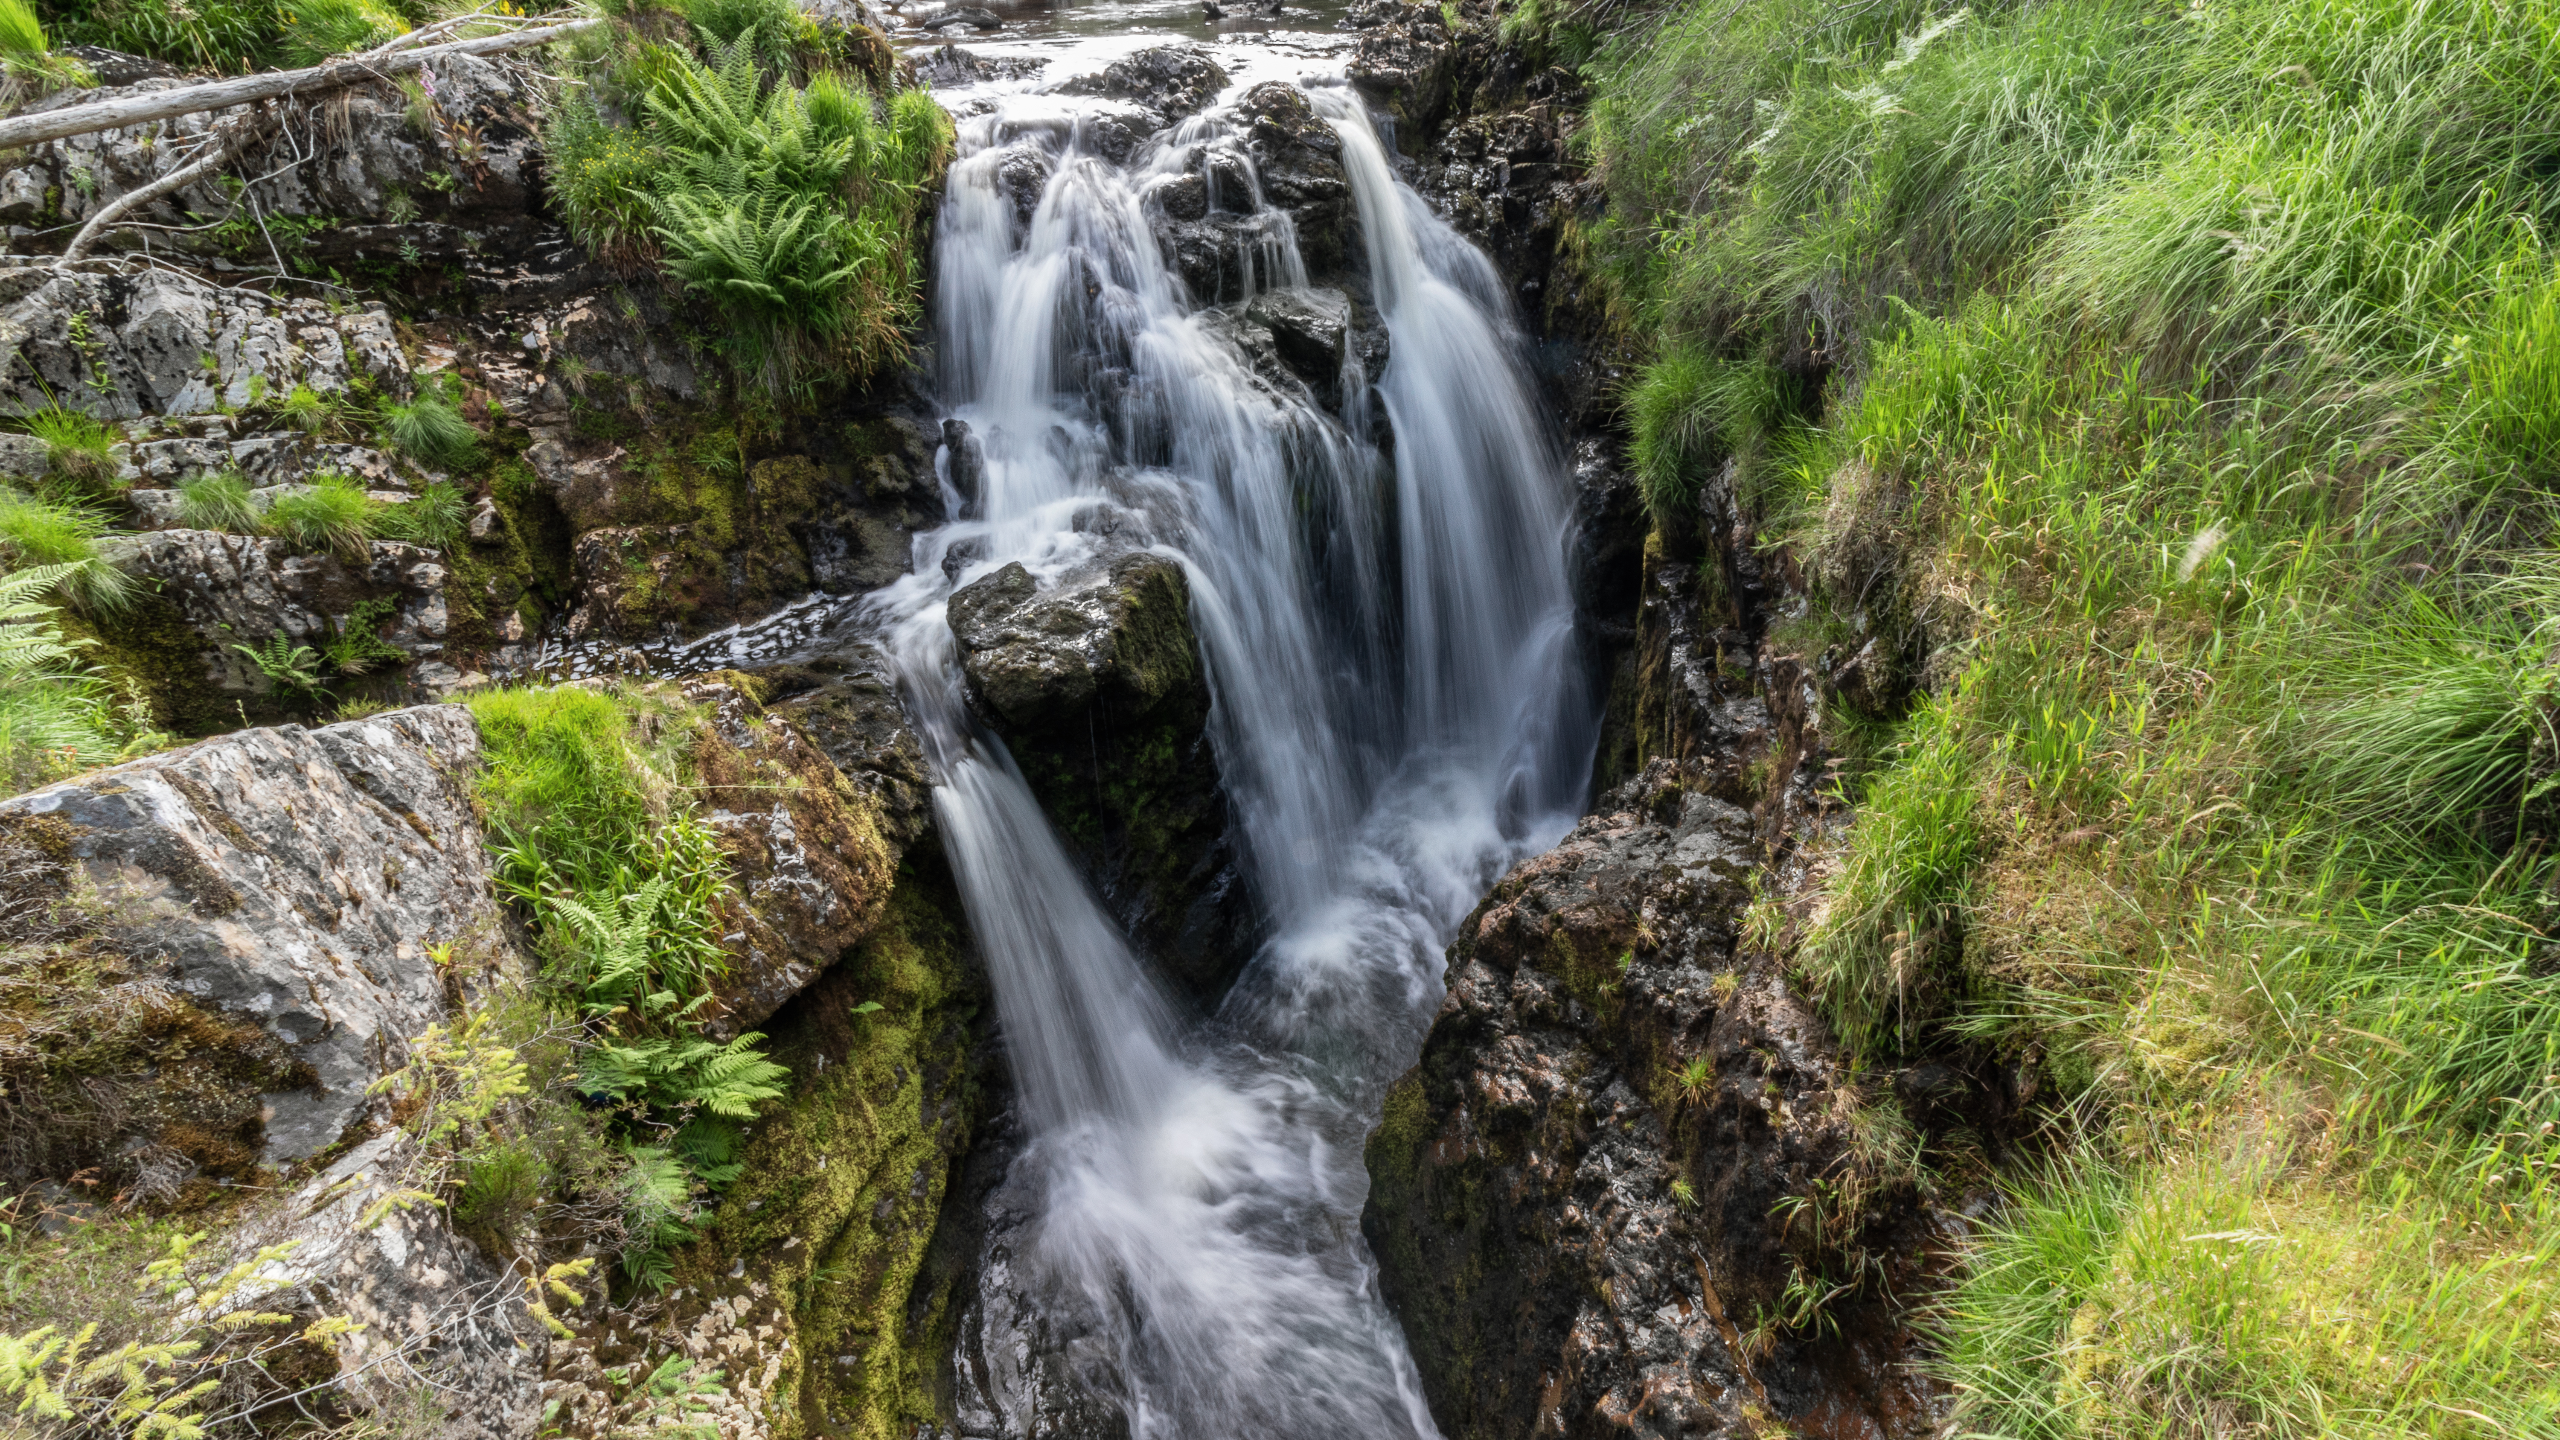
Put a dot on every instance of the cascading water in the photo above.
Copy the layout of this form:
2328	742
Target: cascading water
1396	714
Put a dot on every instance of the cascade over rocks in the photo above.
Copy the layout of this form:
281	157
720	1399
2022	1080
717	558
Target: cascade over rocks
1097	687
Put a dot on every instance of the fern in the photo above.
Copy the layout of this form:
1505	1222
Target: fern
685	1075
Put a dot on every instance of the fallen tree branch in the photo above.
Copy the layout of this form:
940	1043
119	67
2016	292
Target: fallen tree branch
391	59
238	137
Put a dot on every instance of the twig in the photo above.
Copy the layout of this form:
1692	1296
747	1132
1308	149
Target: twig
217	155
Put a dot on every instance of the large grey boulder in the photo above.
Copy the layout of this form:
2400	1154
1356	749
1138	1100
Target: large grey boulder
297	877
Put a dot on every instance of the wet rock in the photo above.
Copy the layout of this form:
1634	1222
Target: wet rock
1579	1195
1308	329
965	460
1298	158
298	878
426	1303
1039	660
951	67
1169	81
1405	61
968	15
850	710
1097	686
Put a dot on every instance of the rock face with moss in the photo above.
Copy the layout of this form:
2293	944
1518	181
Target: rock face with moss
300	879
1097	686
1627	1147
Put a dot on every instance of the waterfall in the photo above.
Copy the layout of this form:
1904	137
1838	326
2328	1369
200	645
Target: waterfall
1395	713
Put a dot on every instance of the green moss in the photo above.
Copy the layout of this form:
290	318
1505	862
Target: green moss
149	650
845	1179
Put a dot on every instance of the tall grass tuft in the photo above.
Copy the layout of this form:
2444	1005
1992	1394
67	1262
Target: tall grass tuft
315	30
218	502
333	515
79	451
435	517
430	431
36	532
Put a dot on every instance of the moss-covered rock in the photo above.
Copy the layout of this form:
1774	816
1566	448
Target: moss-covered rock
812	1286
1097	686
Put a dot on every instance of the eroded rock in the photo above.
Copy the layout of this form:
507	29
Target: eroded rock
299	878
1576	1194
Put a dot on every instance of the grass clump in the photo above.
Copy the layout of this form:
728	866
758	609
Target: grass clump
218	502
431	431
435	517
791	208
2171	392
38	532
334	514
78	452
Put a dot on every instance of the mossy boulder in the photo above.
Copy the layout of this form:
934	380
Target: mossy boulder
1097	686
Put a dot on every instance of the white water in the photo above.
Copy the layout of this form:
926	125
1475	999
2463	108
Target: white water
1395	715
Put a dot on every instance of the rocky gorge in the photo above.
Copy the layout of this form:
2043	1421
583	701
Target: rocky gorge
333	973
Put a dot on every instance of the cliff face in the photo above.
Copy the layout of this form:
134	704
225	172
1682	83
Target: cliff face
1631	1186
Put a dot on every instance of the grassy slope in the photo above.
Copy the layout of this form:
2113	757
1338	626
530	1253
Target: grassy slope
2175	390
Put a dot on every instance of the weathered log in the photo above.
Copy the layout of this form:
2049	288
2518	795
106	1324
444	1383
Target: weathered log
222	94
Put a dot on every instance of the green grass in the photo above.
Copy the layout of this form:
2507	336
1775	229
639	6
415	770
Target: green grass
436	517
315	30
78	452
21	33
334	515
218	502
430	431
586	803
40	532
2176	388
225	35
791	209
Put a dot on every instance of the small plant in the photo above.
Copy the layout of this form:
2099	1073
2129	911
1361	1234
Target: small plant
358	709
435	518
334	515
358	646
79	450
306	410
218	502
1695	1080
1684	1194
315	30
293	670
430	431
